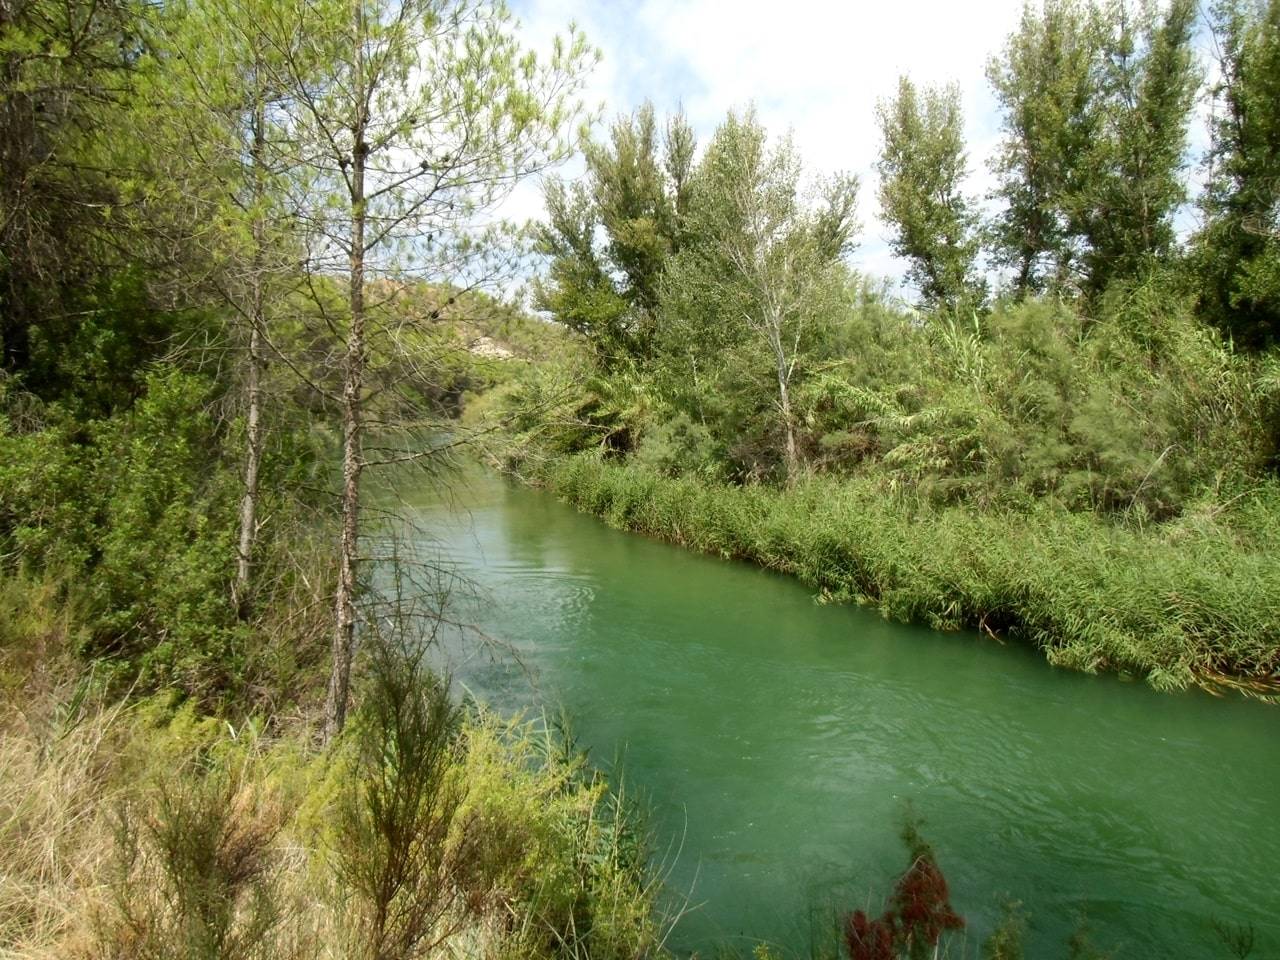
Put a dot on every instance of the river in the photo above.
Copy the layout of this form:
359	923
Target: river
777	741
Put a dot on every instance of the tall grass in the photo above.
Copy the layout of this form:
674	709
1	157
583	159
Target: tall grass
147	838
143	829
54	842
1194	601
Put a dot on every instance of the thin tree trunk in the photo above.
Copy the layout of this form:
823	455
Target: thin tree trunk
253	453
784	398
352	430
352	436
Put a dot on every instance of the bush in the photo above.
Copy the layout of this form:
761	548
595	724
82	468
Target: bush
1129	407
678	446
149	830
198	870
136	513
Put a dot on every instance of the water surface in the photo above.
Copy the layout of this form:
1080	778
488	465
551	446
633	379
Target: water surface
777	740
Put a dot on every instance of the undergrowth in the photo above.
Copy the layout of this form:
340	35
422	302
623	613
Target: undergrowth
144	828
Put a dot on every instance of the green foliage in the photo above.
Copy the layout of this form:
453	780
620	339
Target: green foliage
161	554
636	191
1090	426
95	358
1139	409
1131	182
65	73
676	446
1043	83
1133	410
550	410
922	166
1238	249
640	199
1006	940
1096	102
569	848
138	511
769	359
762	269
393	834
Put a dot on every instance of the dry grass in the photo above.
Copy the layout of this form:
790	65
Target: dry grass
56	789
143	829
142	832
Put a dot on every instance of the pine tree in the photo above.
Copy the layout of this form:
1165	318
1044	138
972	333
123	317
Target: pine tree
427	114
219	155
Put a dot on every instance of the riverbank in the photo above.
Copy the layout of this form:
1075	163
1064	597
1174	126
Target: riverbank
1192	602
146	827
774	740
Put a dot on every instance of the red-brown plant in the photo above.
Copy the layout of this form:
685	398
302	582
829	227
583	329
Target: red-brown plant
868	939
919	912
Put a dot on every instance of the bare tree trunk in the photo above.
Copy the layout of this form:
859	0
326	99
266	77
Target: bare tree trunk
252	466
253	453
784	398
352	437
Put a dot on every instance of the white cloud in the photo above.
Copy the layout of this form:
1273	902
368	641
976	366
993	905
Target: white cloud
816	68
820	68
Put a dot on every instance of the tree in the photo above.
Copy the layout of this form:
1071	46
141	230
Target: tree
427	114
1096	105
66	70
1044	83
922	167
1131	181
637	193
1237	251
220	155
768	259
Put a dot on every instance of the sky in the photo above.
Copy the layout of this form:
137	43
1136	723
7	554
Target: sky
816	69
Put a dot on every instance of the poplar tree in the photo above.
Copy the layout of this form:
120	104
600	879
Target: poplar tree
1044	82
427	114
636	192
1237	251
1130	183
1096	101
922	167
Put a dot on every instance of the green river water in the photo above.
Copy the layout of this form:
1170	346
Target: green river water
776	741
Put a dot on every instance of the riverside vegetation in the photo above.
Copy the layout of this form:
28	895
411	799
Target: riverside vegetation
1069	439
191	339
247	253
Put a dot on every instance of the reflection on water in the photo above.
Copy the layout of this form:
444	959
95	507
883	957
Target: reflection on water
777	741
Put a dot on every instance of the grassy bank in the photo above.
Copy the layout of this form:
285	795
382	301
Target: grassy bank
145	828
162	789
1195	601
